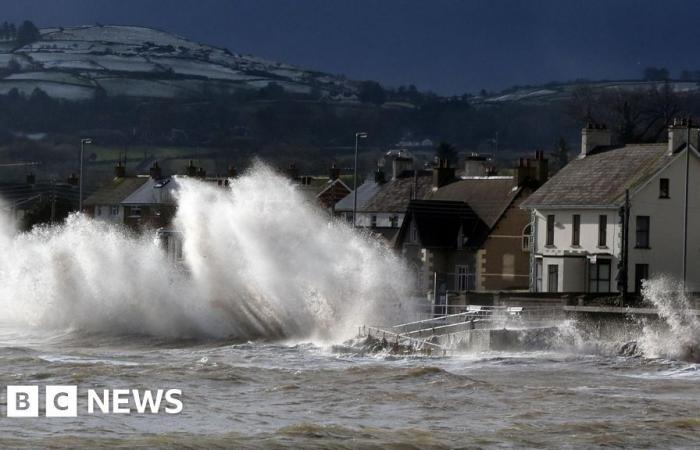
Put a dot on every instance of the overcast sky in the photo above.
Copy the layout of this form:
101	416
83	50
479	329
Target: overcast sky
447	46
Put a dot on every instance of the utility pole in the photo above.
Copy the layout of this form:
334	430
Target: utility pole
359	135
685	211
53	201
80	189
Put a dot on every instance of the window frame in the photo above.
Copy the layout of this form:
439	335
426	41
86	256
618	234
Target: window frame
114	210
594	276
461	277
526	238
576	230
642	231
549	277
551	221
664	188
602	231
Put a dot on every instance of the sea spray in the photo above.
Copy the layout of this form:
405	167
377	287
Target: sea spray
679	338
259	262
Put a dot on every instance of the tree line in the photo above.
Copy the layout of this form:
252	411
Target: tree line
23	34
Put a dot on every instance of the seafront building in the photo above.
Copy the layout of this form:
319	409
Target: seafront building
469	234
617	215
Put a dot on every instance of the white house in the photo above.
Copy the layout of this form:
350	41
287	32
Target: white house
617	215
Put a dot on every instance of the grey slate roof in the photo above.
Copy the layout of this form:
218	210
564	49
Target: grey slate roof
600	179
116	191
488	197
395	195
365	192
154	192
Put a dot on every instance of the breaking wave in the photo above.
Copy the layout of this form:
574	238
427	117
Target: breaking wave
259	262
679	335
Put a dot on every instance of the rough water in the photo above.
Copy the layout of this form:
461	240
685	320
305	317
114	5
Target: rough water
246	329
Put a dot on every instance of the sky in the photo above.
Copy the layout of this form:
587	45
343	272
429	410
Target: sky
446	46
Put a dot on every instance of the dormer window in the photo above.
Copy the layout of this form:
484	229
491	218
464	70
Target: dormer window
664	188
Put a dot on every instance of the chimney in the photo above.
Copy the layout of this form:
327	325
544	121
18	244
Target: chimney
474	165
379	176
522	172
334	172
155	171
399	165
541	168
232	172
119	170
191	169
31	178
292	171
443	174
678	135
592	136
533	172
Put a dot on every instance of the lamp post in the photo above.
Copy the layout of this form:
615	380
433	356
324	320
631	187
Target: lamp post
80	193
359	135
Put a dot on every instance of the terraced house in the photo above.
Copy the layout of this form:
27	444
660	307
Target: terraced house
619	214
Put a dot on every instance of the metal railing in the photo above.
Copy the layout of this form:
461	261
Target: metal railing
422	333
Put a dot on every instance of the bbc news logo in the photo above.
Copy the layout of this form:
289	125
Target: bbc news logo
63	401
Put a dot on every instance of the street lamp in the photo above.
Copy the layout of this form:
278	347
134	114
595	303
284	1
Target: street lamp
82	150
359	135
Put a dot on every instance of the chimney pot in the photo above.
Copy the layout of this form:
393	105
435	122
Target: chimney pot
155	171
592	136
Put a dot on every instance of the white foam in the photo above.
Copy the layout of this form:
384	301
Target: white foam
261	264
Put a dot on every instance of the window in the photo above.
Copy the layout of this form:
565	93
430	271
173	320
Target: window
373	221
413	232
599	276
462	275
527	237
394	220
642	240
348	217
135	211
664	188
550	230
602	230
576	230
552	278
641	273
114	210
538	275
98	210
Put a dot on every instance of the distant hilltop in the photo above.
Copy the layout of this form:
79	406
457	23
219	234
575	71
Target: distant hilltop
77	63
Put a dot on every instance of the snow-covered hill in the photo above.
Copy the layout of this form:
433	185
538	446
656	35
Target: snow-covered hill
73	63
564	91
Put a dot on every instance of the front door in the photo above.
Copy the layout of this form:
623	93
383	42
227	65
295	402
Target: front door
552	278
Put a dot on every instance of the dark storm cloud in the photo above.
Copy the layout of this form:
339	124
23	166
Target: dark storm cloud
446	46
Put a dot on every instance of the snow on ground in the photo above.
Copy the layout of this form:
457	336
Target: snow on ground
114	56
55	90
201	68
55	77
143	88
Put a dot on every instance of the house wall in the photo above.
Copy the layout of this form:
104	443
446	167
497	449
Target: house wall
665	255
501	262
104	213
572	260
149	216
364	219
